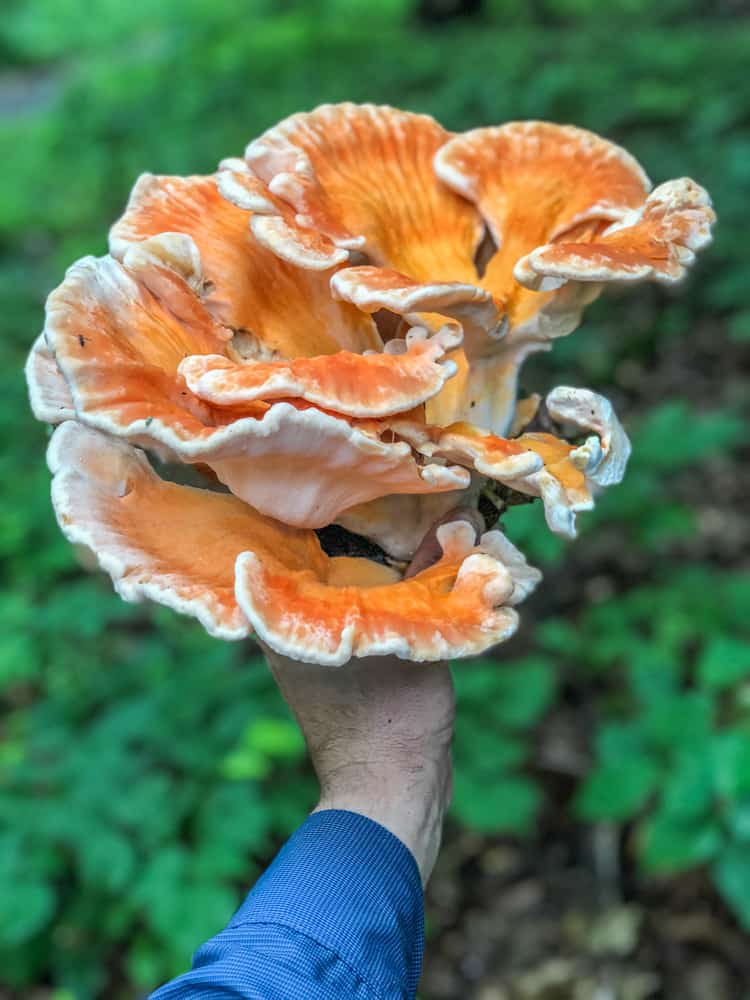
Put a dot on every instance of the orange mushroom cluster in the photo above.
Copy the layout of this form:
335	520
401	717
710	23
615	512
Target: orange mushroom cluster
329	329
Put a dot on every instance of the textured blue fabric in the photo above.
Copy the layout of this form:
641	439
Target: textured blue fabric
339	913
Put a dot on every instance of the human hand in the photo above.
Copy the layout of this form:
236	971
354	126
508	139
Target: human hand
379	733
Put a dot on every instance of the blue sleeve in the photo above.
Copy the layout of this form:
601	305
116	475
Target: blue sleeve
339	913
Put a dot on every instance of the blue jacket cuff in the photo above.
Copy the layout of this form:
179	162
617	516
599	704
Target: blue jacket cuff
351	885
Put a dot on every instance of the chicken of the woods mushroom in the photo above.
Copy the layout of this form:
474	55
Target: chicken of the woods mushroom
329	330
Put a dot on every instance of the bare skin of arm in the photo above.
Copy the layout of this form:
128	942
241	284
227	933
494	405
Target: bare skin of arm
378	731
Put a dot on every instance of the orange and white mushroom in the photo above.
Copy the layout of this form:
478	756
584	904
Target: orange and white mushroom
212	556
330	330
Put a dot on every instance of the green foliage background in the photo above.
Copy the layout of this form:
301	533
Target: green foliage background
146	771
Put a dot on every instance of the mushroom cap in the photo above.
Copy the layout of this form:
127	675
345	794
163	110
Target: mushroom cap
362	175
245	287
406	374
375	288
533	182
657	240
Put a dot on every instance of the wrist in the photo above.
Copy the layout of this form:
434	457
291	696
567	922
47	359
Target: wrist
411	803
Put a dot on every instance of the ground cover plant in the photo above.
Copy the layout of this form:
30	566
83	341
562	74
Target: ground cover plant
146	770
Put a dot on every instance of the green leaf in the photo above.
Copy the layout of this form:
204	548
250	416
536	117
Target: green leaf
724	661
191	913
616	741
738	820
731	874
276	738
682	718
556	635
18	660
145	962
485	749
661	442
730	756
233	817
515	694
735	600
667	846
106	859
245	764
689	788
25	907
739	326
182	910
507	805
616	790
526	528
653	673
665	525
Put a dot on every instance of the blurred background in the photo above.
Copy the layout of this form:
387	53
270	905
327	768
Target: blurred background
599	843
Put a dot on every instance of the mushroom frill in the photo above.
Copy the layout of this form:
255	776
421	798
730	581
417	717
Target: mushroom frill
329	330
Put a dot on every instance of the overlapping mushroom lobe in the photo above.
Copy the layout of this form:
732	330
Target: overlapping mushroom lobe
362	176
215	557
123	337
533	182
406	374
282	311
658	240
